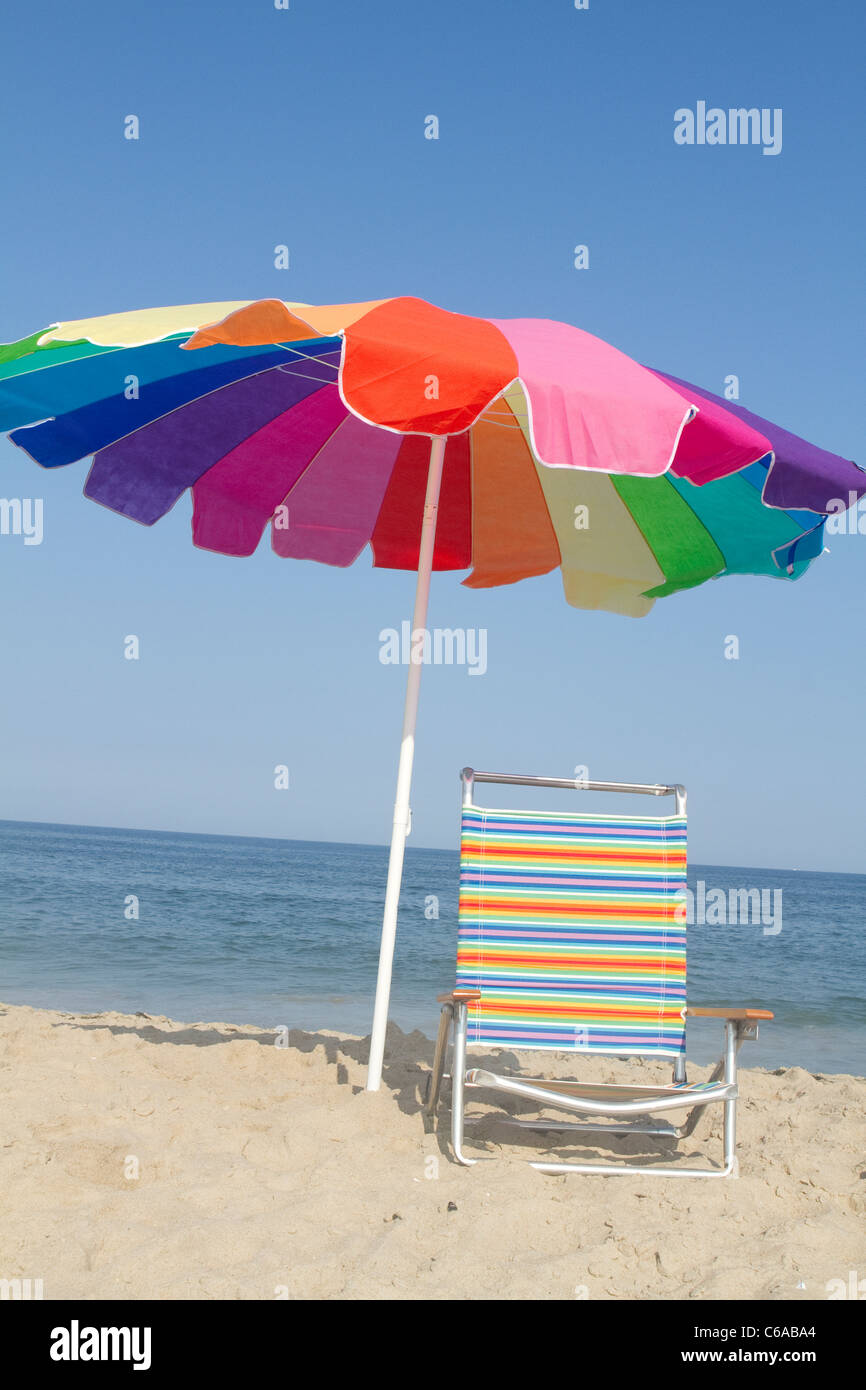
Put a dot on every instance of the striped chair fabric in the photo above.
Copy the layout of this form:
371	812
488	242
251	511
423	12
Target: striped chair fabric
573	929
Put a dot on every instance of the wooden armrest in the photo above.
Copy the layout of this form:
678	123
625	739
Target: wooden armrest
459	996
735	1015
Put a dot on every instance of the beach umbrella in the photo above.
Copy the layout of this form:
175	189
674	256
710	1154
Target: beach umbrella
508	447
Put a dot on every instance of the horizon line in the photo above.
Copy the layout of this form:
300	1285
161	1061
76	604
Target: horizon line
363	844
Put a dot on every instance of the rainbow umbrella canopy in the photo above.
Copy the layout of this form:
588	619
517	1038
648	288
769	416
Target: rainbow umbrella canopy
508	447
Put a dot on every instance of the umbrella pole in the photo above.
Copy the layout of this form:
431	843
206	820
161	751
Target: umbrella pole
404	771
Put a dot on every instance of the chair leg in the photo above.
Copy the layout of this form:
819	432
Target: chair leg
693	1120
445	1019
732	1043
458	1083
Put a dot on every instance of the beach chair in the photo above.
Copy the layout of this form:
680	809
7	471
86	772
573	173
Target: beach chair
572	938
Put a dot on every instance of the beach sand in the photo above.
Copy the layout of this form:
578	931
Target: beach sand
143	1158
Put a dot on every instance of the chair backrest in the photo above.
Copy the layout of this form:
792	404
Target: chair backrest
573	929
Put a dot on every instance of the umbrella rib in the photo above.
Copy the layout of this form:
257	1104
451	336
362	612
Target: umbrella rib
309	356
305	376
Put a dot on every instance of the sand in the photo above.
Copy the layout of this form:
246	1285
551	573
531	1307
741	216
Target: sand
143	1158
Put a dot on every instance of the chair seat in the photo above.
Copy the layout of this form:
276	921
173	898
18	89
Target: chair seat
595	1090
600	1099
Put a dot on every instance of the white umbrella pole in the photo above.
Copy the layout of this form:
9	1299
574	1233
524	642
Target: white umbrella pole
404	771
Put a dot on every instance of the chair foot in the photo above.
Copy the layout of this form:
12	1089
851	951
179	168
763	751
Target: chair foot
462	1158
630	1170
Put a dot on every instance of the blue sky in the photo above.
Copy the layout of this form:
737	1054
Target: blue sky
306	127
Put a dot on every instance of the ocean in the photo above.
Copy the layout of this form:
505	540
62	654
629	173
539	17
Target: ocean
231	929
